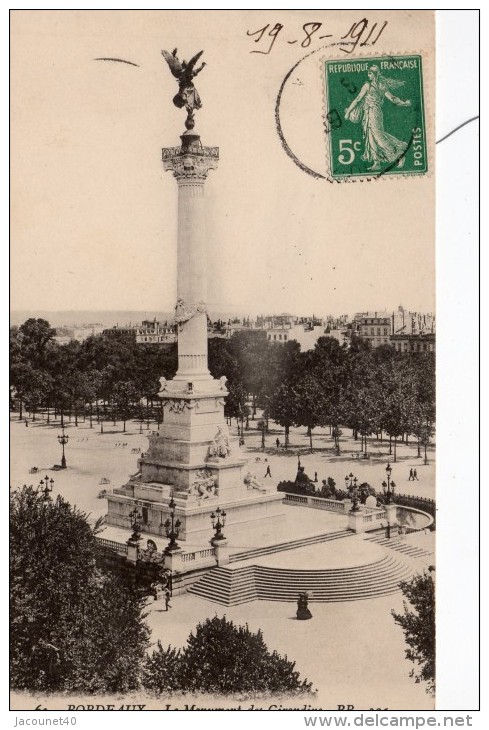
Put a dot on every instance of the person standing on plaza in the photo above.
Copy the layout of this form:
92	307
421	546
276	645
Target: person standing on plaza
277	442
167	599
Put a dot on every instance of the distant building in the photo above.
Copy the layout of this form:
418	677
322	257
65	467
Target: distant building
412	323
270	321
77	332
87	330
383	328
343	335
152	332
279	334
149	332
419	343
375	327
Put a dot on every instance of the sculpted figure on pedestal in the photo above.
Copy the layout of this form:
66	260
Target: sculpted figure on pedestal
205	484
252	482
220	446
184	311
184	72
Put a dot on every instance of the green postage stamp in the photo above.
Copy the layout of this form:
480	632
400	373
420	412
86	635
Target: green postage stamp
375	118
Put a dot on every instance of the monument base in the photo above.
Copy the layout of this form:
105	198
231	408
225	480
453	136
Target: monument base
195	519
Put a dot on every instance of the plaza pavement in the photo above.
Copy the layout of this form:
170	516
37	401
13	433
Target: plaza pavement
352	651
91	455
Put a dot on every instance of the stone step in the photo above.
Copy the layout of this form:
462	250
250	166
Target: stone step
332	572
233	587
290	545
400	546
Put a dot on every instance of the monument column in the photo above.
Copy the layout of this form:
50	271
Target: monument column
192	465
190	165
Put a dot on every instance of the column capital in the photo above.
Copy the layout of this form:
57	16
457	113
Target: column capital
191	161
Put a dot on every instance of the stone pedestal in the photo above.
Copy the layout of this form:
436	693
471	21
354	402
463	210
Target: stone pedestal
173	561
132	550
355	521
391	512
222	551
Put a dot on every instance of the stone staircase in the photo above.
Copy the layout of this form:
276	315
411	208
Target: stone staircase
394	543
289	545
231	587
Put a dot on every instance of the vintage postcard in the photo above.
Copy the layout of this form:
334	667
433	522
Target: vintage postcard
223	341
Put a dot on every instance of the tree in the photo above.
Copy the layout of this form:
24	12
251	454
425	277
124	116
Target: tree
73	628
329	365
257	365
221	657
37	391
21	375
399	397
310	403
426	433
161	670
418	624
124	395
283	408
36	335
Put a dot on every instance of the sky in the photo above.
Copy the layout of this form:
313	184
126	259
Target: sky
93	217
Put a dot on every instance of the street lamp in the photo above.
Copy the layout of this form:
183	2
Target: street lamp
388	487
63	440
136	523
172	529
351	486
218	519
46	487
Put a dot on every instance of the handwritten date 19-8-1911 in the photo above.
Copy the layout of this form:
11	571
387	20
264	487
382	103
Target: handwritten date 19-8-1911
361	33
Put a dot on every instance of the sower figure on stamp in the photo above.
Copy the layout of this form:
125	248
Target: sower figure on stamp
380	147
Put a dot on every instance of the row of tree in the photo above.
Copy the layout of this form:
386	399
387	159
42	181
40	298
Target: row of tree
109	375
367	390
106	376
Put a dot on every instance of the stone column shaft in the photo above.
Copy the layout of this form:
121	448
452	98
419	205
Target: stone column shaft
190	164
192	259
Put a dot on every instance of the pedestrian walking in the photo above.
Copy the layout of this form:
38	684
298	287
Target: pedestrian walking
315	476
277	442
26	423
415	475
268	473
167	600
411	476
